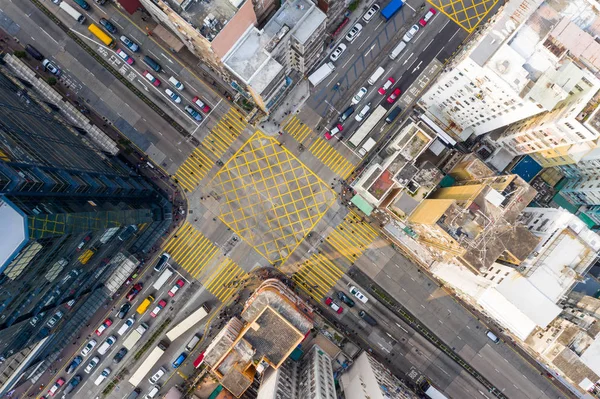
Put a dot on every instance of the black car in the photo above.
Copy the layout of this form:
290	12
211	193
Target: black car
120	355
73	365
123	310
108	25
345	298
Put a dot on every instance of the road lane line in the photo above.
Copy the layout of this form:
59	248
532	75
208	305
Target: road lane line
383	22
425	48
168	59
346	63
331	80
48	34
116	23
447	22
363	43
409	6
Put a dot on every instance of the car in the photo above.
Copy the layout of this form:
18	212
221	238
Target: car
203	107
427	17
134	291
388	83
151	78
180	283
339	50
411	33
70	304
346	114
156	376
107	323
129	43
329	302
129	60
103	376
54	319
369	14
174	96
92	364
89	347
354	33
359	95
56	1
394	96
161	304
83	242
177	84
195	114
50	67
123	310
108	25
73	365
56	387
106	345
345	298
363	113
72	384
125	327
120	355
338	128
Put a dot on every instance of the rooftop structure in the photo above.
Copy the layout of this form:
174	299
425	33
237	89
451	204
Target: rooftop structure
274	322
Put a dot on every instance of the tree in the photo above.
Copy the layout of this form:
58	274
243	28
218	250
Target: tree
51	81
20	54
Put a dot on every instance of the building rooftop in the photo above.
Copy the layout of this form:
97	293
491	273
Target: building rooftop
208	17
13	232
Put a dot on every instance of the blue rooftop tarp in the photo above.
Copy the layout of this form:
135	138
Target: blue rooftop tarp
527	168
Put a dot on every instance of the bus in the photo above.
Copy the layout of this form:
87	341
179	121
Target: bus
364	130
164	277
430	391
99	33
76	15
391	9
147	364
188	322
87	255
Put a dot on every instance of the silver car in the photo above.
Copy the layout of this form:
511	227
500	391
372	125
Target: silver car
337	53
411	33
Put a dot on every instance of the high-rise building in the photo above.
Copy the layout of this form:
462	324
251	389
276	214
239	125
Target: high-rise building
58	196
522	71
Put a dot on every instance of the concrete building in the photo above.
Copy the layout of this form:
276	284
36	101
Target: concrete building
274	321
367	378
473	222
518	67
311	377
265	59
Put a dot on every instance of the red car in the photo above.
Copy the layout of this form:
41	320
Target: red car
158	307
107	323
394	96
56	387
338	128
180	283
203	107
134	291
333	305
386	86
423	21
151	78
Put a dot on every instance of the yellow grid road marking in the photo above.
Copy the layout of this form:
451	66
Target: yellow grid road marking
468	14
297	129
191	250
331	158
225	280
352	237
212	148
317	275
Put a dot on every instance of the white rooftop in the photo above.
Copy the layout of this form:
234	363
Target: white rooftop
13	232
591	356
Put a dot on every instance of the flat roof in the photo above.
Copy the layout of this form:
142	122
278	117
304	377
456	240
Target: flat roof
12	230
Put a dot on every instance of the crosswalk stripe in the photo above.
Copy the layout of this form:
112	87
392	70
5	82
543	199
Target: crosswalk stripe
224	274
297	129
191	250
331	158
317	276
352	237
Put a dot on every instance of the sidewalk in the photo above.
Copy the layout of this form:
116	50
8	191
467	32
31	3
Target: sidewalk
289	106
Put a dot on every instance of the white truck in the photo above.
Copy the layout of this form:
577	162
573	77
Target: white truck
320	74
109	233
135	336
164	277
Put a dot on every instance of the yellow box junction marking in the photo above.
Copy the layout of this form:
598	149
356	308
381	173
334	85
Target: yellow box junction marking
297	129
317	275
191	250
468	14
335	161
225	280
352	237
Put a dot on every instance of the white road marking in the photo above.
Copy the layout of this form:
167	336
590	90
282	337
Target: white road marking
428	44
363	43
407	58
379	25
346	63
166	66
168	59
328	83
153	54
482	394
186	82
48	34
371	49
402	328
447	22
409	6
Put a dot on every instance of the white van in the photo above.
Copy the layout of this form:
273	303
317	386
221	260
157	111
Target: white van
192	344
367	146
103	376
177	84
153	392
106	345
397	50
156	376
354	291
376	75
492	336
363	113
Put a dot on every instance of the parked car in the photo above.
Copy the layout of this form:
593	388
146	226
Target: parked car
329	302
134	291
151	78
54	319
161	305
129	60
72	384
369	14
83	242
129	43
88	348
180	283
411	33
345	298
388	83
107	323
92	364
359	95
174	96
50	67
394	96
120	355
156	376
123	310
73	365
108	25
336	129
203	107
337	53
354	32
176	83
427	17
56	387
193	113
